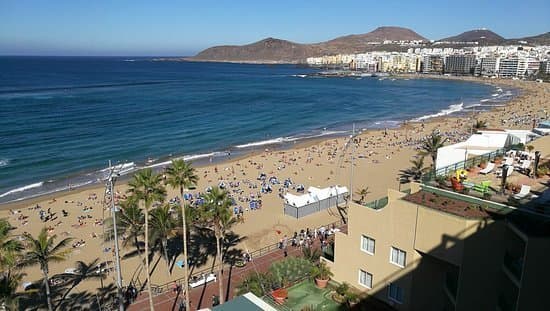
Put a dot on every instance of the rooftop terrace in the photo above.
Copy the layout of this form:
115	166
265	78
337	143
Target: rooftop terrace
481	177
442	202
531	222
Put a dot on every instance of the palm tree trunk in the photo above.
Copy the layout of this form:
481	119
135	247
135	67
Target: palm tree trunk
151	306
48	294
165	253
136	242
220	265
185	261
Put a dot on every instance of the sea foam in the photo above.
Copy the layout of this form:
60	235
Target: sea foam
280	140
444	112
20	189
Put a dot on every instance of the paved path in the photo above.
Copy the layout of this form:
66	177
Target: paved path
201	297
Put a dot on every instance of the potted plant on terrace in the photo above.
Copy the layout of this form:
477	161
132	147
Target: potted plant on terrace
280	295
321	273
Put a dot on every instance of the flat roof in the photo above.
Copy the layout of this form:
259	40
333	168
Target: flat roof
532	224
246	302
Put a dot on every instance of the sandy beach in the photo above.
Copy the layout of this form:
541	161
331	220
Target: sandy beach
379	155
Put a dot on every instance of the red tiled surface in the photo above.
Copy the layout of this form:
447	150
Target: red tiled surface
201	297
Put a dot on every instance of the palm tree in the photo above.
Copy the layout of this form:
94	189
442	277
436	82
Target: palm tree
431	144
146	187
42	251
480	124
162	227
259	283
311	254
181	175
130	223
363	193
215	215
9	298
415	172
82	271
10	248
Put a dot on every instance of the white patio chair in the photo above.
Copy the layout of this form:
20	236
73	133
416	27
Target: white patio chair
524	191
507	161
489	168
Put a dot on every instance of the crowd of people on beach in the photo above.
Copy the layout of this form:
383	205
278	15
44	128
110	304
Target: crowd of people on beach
255	183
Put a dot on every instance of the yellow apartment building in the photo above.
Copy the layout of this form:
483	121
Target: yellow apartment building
432	249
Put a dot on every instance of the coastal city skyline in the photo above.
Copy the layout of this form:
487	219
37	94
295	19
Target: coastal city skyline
185	28
274	156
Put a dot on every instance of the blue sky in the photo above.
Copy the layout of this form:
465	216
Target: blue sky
122	27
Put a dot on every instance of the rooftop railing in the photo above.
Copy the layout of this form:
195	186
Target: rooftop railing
377	204
473	161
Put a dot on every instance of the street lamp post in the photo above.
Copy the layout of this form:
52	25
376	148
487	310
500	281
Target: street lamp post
112	178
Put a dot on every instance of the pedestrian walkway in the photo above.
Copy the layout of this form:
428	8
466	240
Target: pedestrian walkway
201	297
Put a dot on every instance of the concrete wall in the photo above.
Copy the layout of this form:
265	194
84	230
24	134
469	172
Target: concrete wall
441	235
536	275
389	226
481	265
428	290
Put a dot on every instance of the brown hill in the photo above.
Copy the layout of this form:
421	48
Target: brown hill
266	50
366	42
542	39
276	50
482	36
379	35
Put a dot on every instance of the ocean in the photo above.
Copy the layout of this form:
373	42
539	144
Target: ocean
63	118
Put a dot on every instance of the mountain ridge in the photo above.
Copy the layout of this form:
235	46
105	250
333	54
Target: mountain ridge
274	50
482	36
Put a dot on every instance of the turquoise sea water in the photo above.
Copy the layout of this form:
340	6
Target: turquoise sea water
63	118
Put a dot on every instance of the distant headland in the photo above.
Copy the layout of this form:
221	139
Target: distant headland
387	38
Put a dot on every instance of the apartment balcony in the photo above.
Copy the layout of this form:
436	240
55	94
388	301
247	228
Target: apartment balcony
377	204
513	266
506	303
451	285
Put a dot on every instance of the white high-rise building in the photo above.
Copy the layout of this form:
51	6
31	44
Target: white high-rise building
508	68
489	66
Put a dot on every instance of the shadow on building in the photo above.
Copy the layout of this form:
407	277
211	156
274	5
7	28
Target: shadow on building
436	250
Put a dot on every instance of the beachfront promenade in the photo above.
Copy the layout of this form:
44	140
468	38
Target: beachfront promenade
201	297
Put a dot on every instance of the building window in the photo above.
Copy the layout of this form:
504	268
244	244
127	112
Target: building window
367	244
365	279
395	293
397	257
